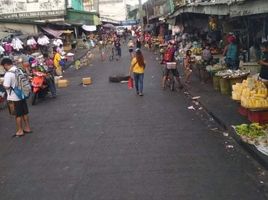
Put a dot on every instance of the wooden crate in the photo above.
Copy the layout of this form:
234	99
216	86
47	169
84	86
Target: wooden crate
87	81
62	83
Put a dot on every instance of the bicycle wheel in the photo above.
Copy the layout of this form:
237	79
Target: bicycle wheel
172	84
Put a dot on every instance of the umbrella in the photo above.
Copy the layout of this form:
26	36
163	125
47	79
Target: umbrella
109	26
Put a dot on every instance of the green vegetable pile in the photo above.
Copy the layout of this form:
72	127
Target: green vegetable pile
253	130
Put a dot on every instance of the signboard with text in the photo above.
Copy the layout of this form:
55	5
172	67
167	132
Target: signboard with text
31	8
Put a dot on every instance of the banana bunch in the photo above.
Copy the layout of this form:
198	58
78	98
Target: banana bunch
196	51
252	93
254	102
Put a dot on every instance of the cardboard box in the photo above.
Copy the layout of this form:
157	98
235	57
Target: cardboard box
63	83
87	81
56	79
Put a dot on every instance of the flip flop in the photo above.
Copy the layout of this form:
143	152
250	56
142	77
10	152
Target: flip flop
17	136
27	132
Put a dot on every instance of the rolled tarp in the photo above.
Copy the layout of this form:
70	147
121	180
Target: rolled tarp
89	28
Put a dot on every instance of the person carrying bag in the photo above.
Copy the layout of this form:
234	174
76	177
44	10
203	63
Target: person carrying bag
137	68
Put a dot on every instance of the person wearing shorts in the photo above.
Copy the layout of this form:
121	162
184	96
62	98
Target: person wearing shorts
169	57
16	106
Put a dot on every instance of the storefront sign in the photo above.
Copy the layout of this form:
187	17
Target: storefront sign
129	22
31	8
33	14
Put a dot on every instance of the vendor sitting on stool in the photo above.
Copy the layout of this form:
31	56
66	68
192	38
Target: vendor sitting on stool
264	63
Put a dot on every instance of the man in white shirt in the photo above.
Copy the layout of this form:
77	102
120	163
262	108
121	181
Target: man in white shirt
17	107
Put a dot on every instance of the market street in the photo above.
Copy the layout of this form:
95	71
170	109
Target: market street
104	142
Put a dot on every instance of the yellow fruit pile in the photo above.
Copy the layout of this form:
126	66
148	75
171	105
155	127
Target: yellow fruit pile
197	51
252	94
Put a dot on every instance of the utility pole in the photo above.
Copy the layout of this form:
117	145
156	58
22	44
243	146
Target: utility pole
141	14
96	5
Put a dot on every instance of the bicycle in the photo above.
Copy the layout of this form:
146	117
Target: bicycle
170	79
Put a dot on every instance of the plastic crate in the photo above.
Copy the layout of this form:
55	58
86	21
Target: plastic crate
171	65
258	116
243	111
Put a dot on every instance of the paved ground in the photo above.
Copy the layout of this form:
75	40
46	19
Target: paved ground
103	142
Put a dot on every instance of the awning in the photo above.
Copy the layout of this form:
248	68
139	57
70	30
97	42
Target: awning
55	33
89	28
111	26
4	35
249	8
80	18
235	9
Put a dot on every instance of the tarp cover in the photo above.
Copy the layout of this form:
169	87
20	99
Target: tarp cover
55	33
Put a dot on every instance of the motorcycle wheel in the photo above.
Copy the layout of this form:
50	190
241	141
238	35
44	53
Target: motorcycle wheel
34	98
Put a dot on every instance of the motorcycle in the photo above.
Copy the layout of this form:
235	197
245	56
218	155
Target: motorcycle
3	97
3	93
39	85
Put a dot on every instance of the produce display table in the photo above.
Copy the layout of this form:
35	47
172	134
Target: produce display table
253	67
225	79
258	116
216	82
224	85
232	81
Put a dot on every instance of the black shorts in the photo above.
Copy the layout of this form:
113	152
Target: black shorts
18	108
175	72
130	50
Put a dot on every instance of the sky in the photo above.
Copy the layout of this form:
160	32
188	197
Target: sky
134	2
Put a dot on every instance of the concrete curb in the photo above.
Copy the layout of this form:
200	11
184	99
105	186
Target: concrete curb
68	64
252	150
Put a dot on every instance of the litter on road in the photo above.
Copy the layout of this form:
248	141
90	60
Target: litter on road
191	108
225	134
195	98
229	146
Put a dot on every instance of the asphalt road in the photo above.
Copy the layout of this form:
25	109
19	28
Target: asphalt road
102	142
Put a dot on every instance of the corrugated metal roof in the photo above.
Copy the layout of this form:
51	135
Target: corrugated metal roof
233	8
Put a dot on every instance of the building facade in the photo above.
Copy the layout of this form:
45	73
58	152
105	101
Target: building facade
113	9
32	9
19	13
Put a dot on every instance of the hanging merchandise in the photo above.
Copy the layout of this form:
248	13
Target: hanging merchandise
43	40
8	47
213	23
2	50
17	44
57	42
31	41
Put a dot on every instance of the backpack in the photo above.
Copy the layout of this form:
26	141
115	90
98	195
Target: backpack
23	87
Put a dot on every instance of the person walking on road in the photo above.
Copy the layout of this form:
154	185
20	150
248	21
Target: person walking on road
117	46
102	49
17	106
130	47
138	43
137	68
188	61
